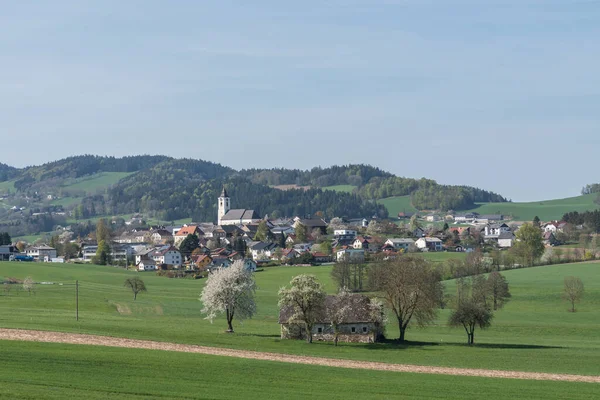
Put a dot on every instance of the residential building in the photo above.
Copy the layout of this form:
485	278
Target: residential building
429	244
350	254
168	255
361	243
506	239
344	234
311	224
184	232
41	253
161	236
399	244
7	251
146	264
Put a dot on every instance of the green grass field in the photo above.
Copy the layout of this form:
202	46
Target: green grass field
546	210
56	371
397	204
95	182
533	333
7	186
340	188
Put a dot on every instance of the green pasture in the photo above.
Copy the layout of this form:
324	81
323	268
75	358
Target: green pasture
340	188
92	183
397	204
546	210
57	371
533	333
7	186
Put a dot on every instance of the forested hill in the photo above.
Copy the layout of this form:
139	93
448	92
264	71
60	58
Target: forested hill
168	189
7	172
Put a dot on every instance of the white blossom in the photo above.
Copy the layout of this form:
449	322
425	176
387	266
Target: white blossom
230	291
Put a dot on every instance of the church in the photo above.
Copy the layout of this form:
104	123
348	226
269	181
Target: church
239	216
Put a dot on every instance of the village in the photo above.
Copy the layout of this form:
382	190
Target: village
241	234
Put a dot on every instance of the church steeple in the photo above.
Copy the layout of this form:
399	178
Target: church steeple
224	204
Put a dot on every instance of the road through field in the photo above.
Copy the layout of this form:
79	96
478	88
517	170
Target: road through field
73	338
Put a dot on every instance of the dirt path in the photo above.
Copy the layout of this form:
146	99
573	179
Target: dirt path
73	338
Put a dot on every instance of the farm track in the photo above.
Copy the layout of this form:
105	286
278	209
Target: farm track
81	339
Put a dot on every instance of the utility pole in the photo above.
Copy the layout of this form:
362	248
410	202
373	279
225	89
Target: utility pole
77	300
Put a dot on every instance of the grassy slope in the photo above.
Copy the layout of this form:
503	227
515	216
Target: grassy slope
533	333
398	204
7	186
72	371
340	188
546	210
92	183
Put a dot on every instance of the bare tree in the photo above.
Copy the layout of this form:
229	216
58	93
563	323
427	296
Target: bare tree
7	287
411	287
573	291
341	312
136	285
229	291
498	290
307	299
29	285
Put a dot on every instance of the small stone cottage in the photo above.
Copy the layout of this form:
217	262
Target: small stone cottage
360	327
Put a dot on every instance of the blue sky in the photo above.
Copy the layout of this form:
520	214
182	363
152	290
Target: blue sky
503	95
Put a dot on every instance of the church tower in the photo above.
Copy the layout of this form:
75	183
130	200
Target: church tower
224	204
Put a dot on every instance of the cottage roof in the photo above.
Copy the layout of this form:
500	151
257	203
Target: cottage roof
359	310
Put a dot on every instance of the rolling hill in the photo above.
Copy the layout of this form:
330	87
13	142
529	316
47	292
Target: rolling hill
88	187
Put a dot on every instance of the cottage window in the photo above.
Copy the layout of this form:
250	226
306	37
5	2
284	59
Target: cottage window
353	329
364	329
320	330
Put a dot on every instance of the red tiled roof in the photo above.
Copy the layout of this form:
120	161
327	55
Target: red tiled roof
187	230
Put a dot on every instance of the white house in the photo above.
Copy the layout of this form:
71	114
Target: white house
41	253
344	234
429	244
262	250
494	230
506	239
402	243
361	243
167	255
147	264
432	218
355	255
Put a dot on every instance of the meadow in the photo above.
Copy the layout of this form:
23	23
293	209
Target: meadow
340	188
75	371
546	210
397	204
533	333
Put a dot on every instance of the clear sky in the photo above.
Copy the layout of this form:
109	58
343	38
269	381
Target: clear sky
499	94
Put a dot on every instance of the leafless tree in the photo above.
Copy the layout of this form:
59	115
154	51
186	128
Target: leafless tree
29	285
498	290
573	291
411	287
